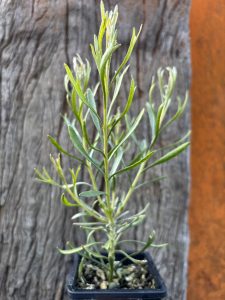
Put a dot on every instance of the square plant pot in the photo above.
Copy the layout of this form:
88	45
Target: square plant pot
110	294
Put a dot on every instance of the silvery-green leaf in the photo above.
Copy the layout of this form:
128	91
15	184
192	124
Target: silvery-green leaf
117	161
129	51
91	101
76	250
106	57
91	193
127	106
152	120
77	144
119	80
79	215
135	261
179	112
134	165
150	181
78	89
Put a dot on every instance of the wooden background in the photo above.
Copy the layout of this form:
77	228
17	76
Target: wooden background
37	37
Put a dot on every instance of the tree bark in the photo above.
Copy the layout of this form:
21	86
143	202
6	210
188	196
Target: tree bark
37	37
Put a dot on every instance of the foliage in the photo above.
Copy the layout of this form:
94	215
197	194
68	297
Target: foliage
103	156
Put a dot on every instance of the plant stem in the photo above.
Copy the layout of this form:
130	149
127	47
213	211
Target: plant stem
111	234
131	189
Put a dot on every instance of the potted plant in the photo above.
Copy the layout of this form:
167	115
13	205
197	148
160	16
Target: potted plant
103	267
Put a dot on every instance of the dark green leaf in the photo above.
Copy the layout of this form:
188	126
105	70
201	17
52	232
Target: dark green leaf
173	153
60	148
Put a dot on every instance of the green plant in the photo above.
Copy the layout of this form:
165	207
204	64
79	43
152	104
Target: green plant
103	156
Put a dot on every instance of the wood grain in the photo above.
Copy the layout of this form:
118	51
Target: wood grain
37	37
207	208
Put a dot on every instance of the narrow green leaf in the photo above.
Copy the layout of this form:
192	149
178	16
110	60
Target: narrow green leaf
77	144
79	215
131	241
134	165
127	106
149	242
173	153
133	136
151	115
97	255
89	143
95	56
74	179
106	57
101	33
131	223
166	105
116	161
74	104
158	118
179	112
159	245
119	80
83	183
91	193
135	261
150	181
133	127
78	89
40	176
60	148
137	157
178	142
75	175
102	9
76	250
66	202
129	51
91	101
142	212
142	243
89	224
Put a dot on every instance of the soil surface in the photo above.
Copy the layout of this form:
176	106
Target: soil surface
130	276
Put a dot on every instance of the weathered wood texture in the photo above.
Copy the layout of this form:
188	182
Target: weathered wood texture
37	37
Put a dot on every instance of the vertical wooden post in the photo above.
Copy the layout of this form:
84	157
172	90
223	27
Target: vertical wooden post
207	210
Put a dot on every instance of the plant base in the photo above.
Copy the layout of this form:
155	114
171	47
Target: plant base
110	294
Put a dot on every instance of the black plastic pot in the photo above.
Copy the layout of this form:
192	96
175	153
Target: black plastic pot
159	293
